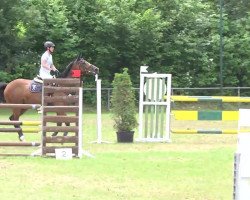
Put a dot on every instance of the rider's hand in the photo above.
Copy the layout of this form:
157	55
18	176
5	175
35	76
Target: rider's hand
57	73
52	73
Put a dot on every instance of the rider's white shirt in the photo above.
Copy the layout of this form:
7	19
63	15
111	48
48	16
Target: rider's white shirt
43	72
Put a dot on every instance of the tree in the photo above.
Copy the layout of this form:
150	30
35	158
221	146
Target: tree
11	39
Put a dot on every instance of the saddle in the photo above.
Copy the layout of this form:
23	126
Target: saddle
36	85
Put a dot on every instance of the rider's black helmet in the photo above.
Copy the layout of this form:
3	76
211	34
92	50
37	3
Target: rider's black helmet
49	44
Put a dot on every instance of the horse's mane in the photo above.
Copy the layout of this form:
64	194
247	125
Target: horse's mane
66	71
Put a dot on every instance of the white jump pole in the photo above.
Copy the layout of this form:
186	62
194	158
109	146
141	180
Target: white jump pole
242	165
242	158
99	110
80	150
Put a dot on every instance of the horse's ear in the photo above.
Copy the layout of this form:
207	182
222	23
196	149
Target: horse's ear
78	57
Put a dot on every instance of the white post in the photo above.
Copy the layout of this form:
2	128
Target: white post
143	69
242	161
169	83
99	110
243	179
80	133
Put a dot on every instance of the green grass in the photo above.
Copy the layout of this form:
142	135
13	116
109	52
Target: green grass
193	167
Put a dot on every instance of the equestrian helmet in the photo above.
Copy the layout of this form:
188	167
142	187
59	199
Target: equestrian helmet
49	44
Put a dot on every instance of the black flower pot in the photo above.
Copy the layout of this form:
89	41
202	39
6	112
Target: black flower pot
125	136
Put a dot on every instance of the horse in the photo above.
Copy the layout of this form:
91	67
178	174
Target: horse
18	92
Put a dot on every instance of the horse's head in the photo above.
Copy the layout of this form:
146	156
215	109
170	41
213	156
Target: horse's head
82	65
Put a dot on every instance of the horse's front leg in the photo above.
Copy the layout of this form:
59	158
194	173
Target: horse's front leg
58	124
66	133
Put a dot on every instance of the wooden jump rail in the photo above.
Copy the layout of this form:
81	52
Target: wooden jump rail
17	154
69	100
20	123
20	144
24	106
15	130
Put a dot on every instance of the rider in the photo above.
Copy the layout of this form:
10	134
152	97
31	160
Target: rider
47	65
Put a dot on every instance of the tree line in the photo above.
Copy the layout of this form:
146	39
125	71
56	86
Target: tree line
181	37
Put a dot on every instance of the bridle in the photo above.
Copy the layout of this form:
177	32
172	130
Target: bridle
78	68
84	66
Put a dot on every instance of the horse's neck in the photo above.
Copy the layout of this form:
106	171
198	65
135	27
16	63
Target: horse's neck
67	72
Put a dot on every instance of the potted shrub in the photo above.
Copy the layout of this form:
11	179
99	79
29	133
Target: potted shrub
123	107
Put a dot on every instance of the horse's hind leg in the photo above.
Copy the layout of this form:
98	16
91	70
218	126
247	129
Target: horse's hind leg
15	117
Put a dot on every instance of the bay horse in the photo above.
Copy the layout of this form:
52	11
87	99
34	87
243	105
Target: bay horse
18	92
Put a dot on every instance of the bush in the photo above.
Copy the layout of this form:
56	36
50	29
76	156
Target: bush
123	102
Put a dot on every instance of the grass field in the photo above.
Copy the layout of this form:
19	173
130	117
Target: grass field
191	167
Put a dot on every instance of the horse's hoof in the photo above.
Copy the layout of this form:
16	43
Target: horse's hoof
65	134
22	139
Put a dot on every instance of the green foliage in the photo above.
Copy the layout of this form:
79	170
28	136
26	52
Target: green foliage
4	76
10	15
123	102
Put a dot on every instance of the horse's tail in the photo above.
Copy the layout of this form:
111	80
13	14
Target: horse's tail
2	88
